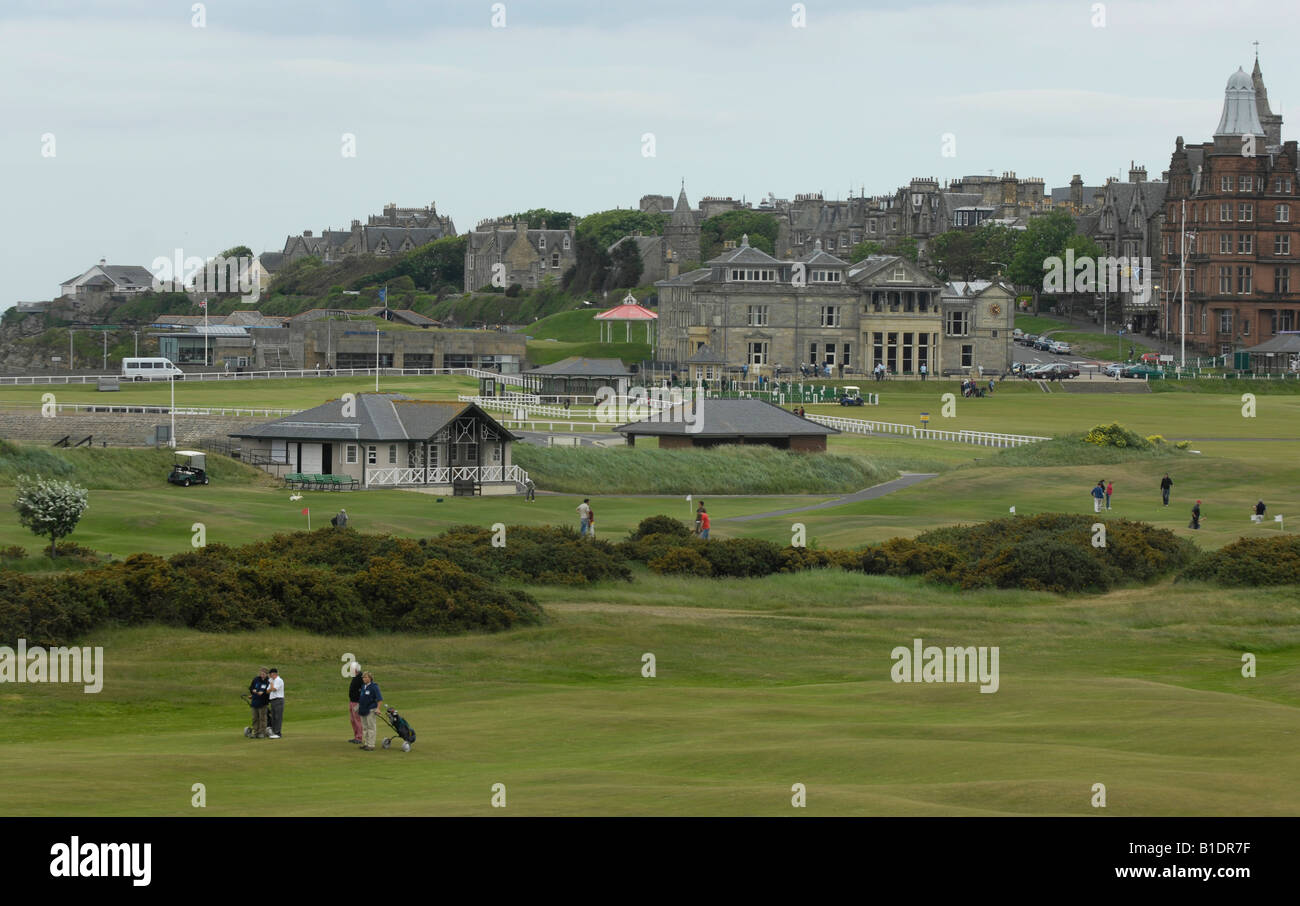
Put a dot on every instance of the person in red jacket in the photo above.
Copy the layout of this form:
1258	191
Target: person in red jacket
1110	489
703	516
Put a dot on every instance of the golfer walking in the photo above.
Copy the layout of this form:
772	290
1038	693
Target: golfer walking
1098	494
276	716
368	704
1165	484
584	516
1110	489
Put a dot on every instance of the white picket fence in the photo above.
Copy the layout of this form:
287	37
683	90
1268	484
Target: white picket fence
519	380
979	438
401	477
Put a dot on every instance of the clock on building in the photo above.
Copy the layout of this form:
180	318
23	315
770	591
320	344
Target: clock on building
995	309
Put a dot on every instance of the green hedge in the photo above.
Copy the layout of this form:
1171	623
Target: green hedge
1251	561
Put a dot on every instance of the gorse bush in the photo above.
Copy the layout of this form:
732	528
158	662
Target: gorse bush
1251	561
1115	435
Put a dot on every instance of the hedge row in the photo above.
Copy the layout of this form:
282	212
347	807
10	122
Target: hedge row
328	581
1050	552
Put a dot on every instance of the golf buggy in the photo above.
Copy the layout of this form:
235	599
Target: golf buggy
851	395
190	468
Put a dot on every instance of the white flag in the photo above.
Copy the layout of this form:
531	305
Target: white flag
1277	518
688	498
1013	510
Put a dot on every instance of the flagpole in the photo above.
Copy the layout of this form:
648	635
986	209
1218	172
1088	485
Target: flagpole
1182	283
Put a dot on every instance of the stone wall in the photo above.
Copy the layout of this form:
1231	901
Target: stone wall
124	430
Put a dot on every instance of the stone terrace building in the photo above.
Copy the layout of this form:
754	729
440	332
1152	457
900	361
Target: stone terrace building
752	309
529	256
1241	215
395	231
1128	225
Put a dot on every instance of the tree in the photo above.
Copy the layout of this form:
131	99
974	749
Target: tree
907	247
239	251
1044	238
628	266
761	228
544	219
955	255
49	508
607	227
591	270
865	249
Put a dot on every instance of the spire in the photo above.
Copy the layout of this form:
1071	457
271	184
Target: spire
1261	93
682	213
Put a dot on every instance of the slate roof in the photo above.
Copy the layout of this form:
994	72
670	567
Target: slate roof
705	356
699	275
581	366
730	418
380	417
822	258
1288	343
744	254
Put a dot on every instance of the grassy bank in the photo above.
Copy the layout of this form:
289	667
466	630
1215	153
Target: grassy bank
736	470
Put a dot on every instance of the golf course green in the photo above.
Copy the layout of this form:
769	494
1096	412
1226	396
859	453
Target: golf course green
758	685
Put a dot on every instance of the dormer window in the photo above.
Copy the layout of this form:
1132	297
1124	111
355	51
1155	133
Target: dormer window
541	242
752	275
826	276
566	243
900	275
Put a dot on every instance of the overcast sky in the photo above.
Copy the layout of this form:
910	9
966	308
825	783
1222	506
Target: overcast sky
166	135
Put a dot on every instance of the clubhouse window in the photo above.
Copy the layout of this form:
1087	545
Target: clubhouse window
350	456
967	355
371	458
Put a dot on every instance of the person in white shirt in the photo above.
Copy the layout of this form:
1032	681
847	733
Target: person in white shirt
277	704
584	516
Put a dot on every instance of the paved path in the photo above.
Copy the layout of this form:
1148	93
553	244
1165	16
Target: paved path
907	480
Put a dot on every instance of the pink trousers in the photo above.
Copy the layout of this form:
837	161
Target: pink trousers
356	721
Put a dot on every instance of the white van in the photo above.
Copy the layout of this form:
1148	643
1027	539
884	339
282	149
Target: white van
150	370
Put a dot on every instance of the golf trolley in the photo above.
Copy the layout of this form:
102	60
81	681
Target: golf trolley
400	727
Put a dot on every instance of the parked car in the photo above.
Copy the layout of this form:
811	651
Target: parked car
852	396
1017	333
1026	339
1115	369
150	369
1059	347
1042	343
190	468
1057	371
1017	367
1143	371
1031	372
1150	358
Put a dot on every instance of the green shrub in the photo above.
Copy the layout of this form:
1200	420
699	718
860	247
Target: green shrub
741	557
14	552
1115	435
1251	562
681	561
661	525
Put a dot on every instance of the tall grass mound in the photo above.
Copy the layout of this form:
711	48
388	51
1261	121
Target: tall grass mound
1251	562
112	468
1103	445
719	470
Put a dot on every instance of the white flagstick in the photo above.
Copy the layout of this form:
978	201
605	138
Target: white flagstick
688	504
1278	520
1013	511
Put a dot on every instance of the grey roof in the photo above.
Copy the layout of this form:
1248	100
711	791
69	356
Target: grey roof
581	366
705	356
729	418
129	273
1240	111
822	258
380	417
699	275
744	254
271	260
1288	343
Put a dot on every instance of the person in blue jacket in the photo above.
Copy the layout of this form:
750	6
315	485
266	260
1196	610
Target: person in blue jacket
368	704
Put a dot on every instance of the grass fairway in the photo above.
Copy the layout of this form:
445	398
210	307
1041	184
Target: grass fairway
760	683
759	686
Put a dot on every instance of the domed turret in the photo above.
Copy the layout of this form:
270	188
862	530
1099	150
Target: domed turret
1240	115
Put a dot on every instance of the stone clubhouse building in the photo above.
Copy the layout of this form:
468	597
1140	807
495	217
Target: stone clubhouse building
751	309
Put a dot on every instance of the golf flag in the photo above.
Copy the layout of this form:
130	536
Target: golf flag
203	303
688	498
306	511
383	295
1013	511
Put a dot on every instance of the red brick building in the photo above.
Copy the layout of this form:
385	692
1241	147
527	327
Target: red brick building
1237	197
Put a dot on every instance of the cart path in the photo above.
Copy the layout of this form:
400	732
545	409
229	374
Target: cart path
905	481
